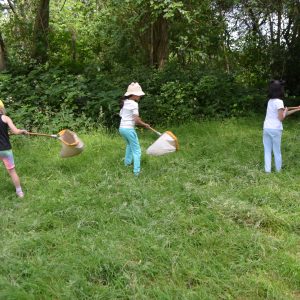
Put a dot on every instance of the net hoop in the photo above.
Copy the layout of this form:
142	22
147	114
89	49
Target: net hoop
71	144
175	139
69	135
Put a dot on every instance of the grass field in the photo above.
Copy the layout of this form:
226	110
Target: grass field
203	223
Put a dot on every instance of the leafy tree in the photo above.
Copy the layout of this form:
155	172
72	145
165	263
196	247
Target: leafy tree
40	32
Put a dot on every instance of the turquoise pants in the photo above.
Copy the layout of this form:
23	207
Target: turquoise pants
133	149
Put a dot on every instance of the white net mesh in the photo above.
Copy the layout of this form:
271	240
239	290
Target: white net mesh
166	143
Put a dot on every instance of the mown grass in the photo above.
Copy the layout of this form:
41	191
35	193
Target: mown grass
203	223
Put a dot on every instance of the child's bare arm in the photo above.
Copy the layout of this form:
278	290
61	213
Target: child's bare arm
293	107
291	110
287	111
282	113
12	126
138	121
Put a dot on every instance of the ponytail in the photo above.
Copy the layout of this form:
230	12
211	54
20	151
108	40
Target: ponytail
121	102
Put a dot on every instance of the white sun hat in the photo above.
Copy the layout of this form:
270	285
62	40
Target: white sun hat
134	89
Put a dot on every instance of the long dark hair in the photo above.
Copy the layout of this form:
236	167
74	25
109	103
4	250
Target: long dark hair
123	98
276	89
121	102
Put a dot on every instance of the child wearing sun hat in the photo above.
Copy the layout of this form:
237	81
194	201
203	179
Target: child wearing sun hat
129	114
6	154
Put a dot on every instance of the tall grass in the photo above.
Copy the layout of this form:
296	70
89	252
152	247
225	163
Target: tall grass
203	223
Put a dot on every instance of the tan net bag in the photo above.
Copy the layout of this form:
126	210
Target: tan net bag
71	144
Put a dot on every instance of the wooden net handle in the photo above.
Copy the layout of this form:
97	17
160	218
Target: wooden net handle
158	133
43	134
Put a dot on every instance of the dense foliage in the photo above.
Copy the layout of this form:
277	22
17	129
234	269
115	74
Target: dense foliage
55	98
194	58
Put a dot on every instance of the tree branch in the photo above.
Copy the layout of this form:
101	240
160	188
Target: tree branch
11	5
63	5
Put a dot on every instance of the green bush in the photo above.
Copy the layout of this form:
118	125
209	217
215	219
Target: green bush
54	98
173	104
199	94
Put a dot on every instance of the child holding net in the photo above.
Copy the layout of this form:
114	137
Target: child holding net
129	114
6	154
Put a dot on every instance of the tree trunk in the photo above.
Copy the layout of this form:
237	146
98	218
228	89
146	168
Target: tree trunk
74	48
160	42
2	54
279	20
151	45
41	28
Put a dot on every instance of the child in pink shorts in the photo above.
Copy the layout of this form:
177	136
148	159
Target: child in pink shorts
6	154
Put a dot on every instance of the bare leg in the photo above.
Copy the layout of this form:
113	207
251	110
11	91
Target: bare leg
16	181
14	177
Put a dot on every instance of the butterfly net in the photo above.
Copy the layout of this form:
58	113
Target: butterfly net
71	144
166	143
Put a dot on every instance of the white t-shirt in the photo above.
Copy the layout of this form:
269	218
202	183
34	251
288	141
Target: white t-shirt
271	120
129	109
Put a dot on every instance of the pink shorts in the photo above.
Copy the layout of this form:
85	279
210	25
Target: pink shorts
8	159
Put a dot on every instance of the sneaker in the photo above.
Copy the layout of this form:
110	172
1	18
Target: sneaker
20	194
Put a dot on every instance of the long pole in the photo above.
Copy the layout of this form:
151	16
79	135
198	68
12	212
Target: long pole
43	134
158	133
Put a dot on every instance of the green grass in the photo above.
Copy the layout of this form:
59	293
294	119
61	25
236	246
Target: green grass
203	223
